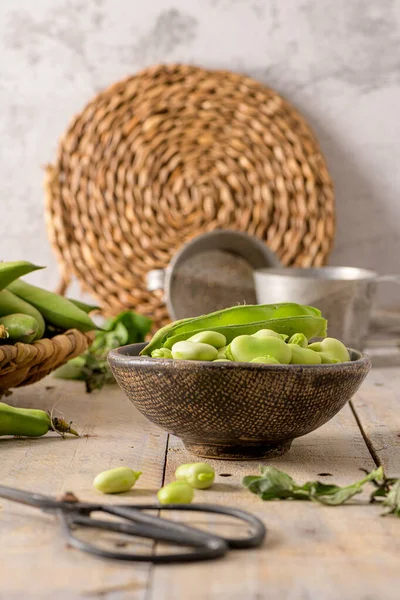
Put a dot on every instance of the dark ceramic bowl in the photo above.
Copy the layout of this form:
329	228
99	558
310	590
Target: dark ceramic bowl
236	410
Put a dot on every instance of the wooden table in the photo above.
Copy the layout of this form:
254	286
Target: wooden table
312	552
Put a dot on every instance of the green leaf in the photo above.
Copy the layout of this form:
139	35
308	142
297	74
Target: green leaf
277	475
271	485
126	328
340	496
136	325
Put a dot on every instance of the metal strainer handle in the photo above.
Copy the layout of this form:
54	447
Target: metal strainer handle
388	279
155	280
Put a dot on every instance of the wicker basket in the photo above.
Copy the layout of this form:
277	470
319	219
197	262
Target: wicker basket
22	364
172	152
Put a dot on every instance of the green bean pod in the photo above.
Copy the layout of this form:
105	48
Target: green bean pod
11	304
87	308
20	328
10	271
57	310
248	319
29	422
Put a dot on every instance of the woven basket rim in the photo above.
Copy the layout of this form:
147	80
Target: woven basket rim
21	364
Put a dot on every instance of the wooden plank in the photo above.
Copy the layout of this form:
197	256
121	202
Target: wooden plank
313	552
377	406
34	559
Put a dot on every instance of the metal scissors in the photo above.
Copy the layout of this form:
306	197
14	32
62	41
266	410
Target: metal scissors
136	522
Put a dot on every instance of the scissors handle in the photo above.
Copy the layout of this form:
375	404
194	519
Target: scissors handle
205	546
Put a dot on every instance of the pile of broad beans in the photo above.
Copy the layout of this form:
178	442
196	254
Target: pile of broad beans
269	334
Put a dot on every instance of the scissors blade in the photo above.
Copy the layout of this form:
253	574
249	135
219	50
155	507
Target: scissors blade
29	498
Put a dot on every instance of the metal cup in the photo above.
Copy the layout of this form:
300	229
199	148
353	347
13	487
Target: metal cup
343	294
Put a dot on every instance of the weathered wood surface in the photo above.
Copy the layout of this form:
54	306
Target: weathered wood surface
377	406
312	552
34	559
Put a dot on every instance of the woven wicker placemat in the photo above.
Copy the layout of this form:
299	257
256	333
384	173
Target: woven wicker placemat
172	152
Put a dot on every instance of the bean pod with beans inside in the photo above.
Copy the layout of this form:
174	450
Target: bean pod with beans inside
28	313
264	334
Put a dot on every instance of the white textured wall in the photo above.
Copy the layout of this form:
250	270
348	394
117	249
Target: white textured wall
338	61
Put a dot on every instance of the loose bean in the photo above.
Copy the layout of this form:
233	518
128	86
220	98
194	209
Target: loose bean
199	475
177	492
115	481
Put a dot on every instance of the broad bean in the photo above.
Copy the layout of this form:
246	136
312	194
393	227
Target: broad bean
116	481
333	347
245	348
222	352
299	339
193	351
177	492
304	356
218	340
263	333
268	360
327	359
161	353
199	475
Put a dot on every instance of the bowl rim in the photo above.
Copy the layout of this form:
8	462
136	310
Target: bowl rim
121	355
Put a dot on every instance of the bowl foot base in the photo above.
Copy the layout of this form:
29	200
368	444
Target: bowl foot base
238	451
